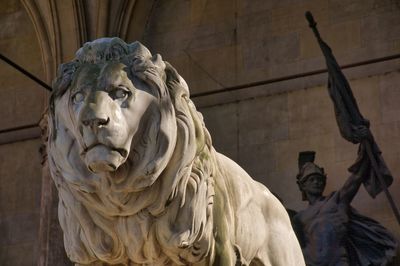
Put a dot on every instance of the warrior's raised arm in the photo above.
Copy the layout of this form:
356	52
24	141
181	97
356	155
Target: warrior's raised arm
354	181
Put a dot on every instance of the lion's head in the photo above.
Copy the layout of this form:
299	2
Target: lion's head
129	154
112	101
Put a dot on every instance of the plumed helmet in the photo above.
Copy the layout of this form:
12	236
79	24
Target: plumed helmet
307	167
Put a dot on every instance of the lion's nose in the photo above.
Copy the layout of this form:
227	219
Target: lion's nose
94	114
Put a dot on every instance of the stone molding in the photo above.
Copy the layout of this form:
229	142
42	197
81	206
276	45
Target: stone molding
293	84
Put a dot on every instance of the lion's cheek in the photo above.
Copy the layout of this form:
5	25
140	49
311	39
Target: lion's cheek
133	126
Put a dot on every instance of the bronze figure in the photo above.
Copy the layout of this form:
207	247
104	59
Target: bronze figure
330	231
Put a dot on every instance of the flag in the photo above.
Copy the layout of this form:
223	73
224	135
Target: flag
350	120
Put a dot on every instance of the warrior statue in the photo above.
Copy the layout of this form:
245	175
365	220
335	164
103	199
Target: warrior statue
330	231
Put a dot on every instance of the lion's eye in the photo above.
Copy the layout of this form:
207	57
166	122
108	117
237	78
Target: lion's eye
78	97
120	93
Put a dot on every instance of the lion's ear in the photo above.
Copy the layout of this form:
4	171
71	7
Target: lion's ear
152	71
158	63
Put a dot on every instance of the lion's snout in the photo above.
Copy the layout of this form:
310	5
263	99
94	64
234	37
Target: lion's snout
96	112
97	126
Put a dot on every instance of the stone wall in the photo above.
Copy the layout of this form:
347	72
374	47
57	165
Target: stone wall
21	105
223	45
20	189
264	135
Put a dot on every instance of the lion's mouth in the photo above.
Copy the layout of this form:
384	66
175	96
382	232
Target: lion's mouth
100	158
122	152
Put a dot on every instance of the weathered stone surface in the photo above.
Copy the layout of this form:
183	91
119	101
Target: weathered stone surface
273	39
23	254
390	97
223	119
22	156
22	100
19	227
342	38
206	72
265	157
21	103
20	187
381	26
137	174
310	113
263	120
252	31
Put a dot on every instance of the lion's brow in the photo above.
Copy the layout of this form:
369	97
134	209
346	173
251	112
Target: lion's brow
82	87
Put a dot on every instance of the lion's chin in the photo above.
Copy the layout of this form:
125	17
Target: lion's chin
101	159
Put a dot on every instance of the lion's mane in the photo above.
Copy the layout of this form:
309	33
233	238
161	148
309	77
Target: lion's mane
162	221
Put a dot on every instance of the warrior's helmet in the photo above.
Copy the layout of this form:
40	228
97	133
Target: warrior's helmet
307	167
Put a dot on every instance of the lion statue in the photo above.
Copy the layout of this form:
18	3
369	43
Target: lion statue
138	179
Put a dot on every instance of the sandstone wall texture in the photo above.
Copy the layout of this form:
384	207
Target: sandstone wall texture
21	104
215	45
218	45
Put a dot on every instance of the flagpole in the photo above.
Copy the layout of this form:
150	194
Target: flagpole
366	143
